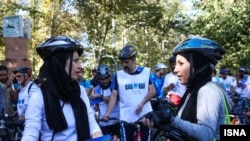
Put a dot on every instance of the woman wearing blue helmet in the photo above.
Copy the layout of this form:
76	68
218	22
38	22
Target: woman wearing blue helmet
202	110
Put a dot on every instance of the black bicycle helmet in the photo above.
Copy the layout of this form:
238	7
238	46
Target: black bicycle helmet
103	71
206	47
53	44
127	52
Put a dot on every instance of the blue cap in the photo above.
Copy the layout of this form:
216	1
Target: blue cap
22	70
223	71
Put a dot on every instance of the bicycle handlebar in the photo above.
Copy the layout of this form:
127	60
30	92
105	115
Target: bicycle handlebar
172	133
110	118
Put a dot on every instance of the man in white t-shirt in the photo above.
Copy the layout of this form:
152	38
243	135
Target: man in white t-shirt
173	89
28	87
243	83
227	81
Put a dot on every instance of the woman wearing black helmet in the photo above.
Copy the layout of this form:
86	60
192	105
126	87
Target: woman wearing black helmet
202	109
61	110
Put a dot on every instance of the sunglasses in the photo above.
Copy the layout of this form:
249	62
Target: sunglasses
18	76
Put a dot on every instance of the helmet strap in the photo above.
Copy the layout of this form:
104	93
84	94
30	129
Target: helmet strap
191	77
70	65
194	74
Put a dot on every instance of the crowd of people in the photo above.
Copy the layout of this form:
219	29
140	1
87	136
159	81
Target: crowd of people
67	106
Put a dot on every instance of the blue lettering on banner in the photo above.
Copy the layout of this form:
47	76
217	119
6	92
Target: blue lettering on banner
128	87
135	86
237	132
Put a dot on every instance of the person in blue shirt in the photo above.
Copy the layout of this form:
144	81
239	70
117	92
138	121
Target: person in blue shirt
84	82
158	78
158	81
1	99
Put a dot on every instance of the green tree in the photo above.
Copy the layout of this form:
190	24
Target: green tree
147	25
227	23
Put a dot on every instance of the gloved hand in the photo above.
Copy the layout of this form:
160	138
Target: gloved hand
168	114
165	115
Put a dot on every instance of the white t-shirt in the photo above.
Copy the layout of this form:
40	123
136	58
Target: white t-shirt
24	96
179	89
35	120
228	82
244	91
132	89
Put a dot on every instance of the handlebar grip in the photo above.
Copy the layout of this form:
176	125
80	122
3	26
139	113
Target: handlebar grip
163	127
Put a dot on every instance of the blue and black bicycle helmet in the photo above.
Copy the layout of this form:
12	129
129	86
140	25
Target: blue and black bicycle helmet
127	52
206	47
53	44
103	71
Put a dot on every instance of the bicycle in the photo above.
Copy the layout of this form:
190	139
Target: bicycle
122	124
11	128
238	113
137	132
111	128
162	131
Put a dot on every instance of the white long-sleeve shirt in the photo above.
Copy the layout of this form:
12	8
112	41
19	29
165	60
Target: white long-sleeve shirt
35	120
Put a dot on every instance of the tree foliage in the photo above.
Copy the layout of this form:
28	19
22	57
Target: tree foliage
154	27
227	22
